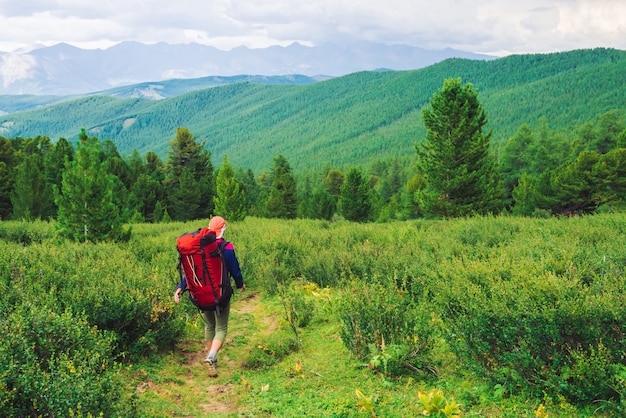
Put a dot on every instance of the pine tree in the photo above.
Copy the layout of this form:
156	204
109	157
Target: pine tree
461	176
333	181
145	193
135	164
250	188
305	198
158	213
516	159
524	196
230	200
32	197
591	181
184	199
550	149
87	211
354	200
55	161
153	163
32	194
7	161
282	201
184	203
601	135
324	205
409	203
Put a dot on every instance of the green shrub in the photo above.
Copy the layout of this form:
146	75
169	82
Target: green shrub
274	350
298	309
384	322
26	232
52	363
535	306
589	376
540	314
102	282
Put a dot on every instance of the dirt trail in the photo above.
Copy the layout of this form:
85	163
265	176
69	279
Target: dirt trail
220	397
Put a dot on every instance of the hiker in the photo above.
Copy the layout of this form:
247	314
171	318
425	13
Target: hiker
216	321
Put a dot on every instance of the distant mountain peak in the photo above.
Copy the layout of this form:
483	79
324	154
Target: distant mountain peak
63	69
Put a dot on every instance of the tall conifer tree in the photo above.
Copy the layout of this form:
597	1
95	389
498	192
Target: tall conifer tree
354	201
7	161
145	194
32	196
461	175
282	201
55	161
250	187
87	211
183	202
230	200
323	206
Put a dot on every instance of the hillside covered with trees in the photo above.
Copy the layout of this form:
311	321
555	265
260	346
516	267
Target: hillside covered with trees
458	168
354	119
92	190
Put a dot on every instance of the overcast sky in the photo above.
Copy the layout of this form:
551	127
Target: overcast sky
489	26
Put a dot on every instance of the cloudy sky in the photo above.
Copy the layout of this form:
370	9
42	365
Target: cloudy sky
490	26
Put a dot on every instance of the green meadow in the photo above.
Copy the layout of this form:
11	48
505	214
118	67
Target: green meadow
483	316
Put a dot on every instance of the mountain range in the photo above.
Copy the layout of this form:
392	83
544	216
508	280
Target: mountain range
346	120
64	70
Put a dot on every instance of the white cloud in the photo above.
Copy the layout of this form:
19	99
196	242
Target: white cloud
15	67
589	21
473	25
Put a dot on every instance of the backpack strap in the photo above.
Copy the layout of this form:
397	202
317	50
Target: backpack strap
225	280
180	273
205	274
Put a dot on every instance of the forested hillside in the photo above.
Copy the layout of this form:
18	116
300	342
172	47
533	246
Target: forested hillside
355	119
19	103
176	87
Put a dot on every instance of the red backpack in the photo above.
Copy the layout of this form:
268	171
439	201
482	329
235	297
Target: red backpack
201	261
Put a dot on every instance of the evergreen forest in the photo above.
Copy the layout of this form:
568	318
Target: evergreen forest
556	147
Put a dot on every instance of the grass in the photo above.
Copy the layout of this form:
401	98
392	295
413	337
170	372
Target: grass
264	370
321	379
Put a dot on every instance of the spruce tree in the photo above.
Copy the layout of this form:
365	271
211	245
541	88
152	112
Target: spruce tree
461	175
250	188
55	161
282	201
184	199
230	200
87	211
32	196
354	201
144	194
186	154
324	205
7	161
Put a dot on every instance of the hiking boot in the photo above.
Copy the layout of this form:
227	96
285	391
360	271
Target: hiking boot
211	366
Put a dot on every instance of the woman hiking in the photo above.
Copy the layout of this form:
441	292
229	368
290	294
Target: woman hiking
216	320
